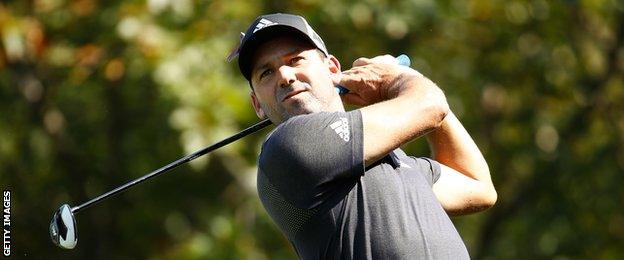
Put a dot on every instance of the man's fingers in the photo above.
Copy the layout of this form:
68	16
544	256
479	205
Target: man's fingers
336	78
388	59
361	62
352	79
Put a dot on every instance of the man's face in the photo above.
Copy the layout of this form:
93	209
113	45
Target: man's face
290	77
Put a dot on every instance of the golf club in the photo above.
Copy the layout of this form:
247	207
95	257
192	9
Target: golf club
63	225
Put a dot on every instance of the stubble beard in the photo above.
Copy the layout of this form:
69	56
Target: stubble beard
306	104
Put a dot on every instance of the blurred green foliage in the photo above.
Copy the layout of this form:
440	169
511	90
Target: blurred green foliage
96	93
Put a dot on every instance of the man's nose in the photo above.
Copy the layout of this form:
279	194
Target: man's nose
287	76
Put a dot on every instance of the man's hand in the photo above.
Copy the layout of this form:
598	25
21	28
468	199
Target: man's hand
374	80
399	103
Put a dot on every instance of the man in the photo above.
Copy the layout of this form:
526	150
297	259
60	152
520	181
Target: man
335	182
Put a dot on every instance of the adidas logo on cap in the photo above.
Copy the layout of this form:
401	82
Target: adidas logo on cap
262	23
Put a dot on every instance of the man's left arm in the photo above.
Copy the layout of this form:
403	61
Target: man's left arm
465	185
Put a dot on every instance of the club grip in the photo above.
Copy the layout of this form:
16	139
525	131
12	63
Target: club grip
403	60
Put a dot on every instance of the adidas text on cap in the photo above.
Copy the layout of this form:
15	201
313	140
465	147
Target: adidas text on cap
269	26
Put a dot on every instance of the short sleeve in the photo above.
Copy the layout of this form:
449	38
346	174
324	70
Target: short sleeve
430	168
308	156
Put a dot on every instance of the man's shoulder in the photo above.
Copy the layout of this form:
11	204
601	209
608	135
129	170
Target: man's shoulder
293	124
313	142
301	126
296	122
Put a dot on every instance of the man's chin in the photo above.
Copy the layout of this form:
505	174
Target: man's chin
300	106
303	108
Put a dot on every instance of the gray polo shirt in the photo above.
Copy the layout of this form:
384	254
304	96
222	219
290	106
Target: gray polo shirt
313	183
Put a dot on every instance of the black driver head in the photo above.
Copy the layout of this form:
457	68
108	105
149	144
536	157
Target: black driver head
63	228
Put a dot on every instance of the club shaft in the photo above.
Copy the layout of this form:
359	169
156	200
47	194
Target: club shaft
252	129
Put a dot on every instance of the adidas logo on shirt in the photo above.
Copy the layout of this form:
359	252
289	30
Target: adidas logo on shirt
263	23
342	128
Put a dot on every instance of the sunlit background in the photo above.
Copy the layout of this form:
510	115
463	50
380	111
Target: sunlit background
96	93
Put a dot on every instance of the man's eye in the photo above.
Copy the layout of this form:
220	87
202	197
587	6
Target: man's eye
295	60
265	73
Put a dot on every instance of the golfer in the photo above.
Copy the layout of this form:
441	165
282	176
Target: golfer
335	182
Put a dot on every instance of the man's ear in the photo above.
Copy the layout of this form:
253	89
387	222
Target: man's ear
256	105
334	64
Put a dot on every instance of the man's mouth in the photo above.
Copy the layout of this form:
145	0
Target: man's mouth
292	94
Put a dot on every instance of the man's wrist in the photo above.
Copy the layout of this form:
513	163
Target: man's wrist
404	83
